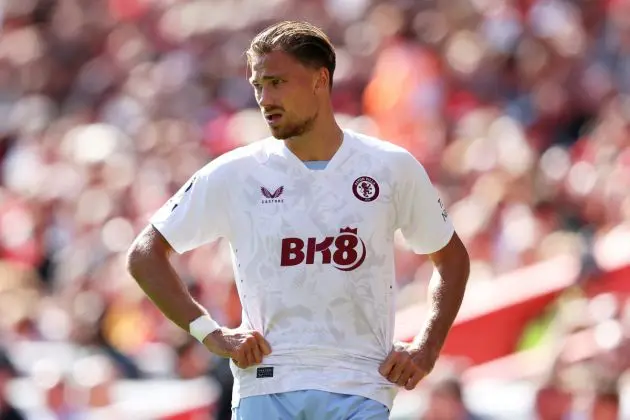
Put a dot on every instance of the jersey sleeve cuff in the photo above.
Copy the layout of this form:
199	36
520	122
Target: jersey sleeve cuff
437	245
160	227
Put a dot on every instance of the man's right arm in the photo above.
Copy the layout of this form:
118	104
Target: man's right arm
194	216
148	261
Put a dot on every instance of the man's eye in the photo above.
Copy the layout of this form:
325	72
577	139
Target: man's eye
275	82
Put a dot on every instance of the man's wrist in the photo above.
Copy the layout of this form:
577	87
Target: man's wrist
202	327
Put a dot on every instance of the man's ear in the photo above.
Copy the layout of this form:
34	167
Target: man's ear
323	79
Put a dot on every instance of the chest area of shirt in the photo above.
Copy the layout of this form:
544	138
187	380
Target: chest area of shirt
279	203
327	195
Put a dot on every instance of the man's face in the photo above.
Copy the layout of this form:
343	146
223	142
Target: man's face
286	92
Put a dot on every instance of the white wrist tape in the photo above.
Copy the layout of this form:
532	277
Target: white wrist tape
203	326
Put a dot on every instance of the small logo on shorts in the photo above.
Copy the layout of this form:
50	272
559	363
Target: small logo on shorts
365	189
264	372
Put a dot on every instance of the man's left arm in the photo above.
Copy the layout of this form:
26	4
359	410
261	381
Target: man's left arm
446	292
425	224
408	363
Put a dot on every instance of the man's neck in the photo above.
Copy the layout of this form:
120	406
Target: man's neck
318	144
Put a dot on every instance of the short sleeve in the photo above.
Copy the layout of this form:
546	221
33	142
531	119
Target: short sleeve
421	215
196	214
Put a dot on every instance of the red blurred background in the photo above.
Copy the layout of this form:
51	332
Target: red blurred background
520	111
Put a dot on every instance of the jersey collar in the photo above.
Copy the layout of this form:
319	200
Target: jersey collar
340	156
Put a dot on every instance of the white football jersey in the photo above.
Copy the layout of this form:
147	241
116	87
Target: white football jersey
313	255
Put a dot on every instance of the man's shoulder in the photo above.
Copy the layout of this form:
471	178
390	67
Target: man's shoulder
376	145
239	159
381	150
256	150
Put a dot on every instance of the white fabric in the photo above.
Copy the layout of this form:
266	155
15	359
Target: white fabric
326	309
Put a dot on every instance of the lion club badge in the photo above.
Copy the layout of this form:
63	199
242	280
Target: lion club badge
365	189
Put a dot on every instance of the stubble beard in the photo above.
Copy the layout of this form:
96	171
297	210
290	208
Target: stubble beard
291	130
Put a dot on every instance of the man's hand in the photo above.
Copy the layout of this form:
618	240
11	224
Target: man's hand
245	347
406	365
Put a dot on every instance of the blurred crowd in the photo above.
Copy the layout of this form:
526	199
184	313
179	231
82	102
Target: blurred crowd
519	109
